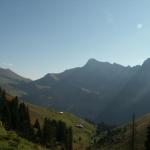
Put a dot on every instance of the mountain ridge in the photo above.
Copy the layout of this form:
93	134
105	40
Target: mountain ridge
91	90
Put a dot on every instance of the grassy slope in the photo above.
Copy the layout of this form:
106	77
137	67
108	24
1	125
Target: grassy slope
71	120
140	135
88	130
11	141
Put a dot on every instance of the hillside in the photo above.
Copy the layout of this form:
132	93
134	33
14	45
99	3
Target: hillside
10	80
120	138
9	140
133	97
84	134
8	76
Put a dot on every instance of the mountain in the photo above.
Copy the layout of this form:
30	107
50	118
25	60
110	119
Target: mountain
100	91
85	91
133	97
10	80
7	77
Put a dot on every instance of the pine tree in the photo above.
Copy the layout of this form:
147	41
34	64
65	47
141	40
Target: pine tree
38	132
4	94
147	142
14	107
6	116
0	90
133	132
70	139
45	132
61	132
5	112
25	126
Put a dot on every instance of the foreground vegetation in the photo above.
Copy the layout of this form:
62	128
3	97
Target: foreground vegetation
15	116
121	138
9	140
25	126
45	127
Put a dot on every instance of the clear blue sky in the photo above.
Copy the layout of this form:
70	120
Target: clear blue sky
41	36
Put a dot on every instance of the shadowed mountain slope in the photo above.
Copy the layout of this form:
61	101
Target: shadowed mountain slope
98	90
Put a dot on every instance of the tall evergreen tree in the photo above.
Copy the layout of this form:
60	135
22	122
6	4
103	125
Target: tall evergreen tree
4	94
61	132
0	90
45	135
147	142
38	132
25	124
133	133
5	111
14	107
70	139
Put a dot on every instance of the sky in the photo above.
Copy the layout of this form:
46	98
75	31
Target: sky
45	36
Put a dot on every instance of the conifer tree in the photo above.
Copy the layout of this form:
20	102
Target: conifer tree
0	90
69	139
25	123
38	133
45	131
61	132
15	113
133	133
147	142
5	112
3	94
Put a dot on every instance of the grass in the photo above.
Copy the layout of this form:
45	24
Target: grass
82	136
11	141
125	136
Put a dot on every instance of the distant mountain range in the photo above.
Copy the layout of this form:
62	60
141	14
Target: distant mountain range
99	90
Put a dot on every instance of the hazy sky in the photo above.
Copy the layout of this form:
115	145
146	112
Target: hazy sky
41	36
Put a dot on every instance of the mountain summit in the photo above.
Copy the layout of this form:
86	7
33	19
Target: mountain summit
146	64
92	61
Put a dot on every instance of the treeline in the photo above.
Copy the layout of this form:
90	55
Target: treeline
102	127
109	135
15	116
